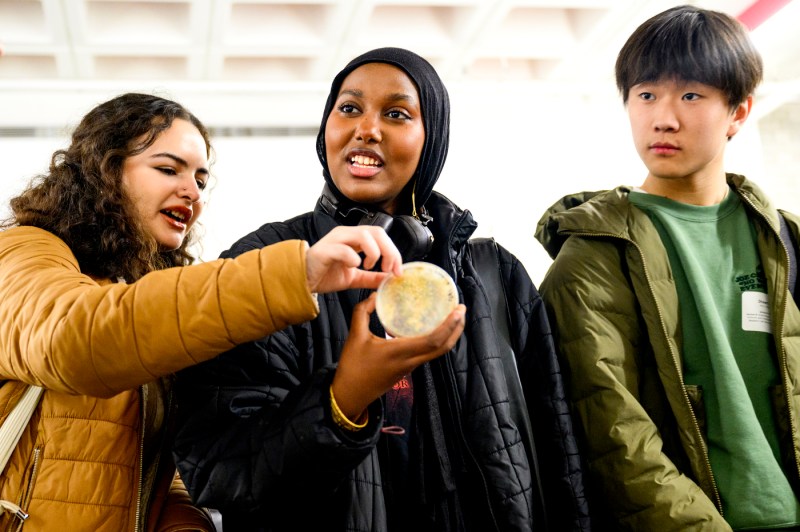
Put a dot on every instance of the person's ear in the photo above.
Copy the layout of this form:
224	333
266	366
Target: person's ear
739	116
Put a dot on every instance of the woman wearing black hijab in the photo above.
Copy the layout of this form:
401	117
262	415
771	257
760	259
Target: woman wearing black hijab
328	425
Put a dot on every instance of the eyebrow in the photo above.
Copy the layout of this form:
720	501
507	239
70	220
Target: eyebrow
394	97
178	160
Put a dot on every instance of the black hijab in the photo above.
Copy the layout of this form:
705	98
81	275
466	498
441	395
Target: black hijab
435	105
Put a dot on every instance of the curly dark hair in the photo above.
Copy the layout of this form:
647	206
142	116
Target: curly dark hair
82	200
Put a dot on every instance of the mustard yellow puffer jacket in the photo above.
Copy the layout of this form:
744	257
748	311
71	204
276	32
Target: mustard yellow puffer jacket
95	455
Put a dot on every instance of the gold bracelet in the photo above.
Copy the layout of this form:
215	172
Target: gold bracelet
340	419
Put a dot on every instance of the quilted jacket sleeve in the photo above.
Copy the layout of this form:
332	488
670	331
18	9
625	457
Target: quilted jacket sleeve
65	331
599	335
256	436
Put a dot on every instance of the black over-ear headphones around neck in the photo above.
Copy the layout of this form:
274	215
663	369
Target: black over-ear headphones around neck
410	234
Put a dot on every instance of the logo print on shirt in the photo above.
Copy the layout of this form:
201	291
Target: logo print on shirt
756	281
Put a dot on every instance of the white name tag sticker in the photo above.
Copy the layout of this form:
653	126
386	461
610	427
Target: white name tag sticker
755	312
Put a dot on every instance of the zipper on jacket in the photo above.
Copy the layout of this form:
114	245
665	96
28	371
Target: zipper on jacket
698	432
782	350
139	488
451	375
13	510
25	500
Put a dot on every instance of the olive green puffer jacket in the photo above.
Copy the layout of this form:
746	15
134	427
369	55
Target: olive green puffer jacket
611	294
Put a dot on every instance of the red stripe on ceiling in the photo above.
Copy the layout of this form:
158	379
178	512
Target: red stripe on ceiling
759	11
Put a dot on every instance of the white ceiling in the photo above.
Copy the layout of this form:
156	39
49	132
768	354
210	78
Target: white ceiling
268	64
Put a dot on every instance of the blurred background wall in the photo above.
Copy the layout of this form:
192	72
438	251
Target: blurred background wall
535	113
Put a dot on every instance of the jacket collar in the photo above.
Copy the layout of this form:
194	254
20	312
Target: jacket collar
609	213
755	198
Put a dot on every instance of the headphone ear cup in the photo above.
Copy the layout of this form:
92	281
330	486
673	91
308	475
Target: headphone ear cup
413	239
381	219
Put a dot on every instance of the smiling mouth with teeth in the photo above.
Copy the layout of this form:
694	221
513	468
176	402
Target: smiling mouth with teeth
175	215
364	160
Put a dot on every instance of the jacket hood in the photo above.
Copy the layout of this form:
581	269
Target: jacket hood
574	212
607	212
435	104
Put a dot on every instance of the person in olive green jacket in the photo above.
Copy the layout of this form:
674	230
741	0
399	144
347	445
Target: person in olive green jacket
671	301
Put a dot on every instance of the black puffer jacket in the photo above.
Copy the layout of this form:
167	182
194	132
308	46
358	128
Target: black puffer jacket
257	439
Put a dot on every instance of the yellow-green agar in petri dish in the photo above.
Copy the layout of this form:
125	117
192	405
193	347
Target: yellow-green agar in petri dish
417	302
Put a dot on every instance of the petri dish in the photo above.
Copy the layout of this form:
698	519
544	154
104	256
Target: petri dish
417	302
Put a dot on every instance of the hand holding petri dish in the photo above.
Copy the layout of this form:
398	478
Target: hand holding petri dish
417	302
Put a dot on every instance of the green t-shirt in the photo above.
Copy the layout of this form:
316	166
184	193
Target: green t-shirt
728	352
